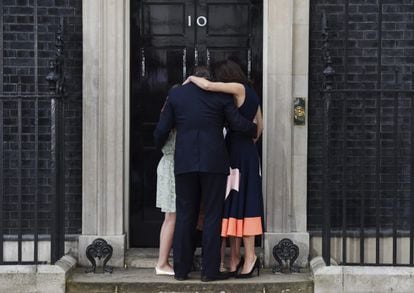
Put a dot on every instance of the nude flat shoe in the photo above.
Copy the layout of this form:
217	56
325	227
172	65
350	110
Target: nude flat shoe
161	272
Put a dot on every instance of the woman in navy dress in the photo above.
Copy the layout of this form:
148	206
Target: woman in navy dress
243	210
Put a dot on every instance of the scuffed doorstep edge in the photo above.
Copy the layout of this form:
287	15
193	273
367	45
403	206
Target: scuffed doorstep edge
326	278
67	263
37	278
334	278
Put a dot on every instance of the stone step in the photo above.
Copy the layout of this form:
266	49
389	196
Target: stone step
141	257
144	280
147	257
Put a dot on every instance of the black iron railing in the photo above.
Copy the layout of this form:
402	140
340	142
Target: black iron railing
31	176
368	170
368	167
32	171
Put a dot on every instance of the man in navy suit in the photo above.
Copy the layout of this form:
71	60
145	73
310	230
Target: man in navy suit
201	169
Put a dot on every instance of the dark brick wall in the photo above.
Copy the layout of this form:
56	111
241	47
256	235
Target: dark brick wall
353	122
19	75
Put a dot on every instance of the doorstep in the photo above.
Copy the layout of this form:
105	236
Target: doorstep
147	257
144	280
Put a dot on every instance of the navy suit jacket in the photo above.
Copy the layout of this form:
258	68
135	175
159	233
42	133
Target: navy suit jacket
199	117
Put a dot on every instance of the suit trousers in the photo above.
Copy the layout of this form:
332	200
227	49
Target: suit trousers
191	189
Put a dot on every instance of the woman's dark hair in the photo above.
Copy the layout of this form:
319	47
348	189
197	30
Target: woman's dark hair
228	71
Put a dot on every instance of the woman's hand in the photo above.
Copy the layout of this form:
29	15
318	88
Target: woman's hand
163	106
258	119
188	80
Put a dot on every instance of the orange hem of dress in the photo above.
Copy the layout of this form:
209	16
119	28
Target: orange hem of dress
241	227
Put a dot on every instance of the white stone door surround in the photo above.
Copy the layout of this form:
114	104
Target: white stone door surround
105	125
105	184
286	51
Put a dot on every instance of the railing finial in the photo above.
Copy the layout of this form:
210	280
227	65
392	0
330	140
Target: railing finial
328	71
56	78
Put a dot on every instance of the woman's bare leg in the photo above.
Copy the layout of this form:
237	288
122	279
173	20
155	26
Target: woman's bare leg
235	243
249	254
166	240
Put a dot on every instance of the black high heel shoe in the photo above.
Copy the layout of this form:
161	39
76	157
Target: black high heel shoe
250	274
234	273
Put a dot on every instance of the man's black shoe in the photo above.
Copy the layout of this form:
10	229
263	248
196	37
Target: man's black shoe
181	278
218	277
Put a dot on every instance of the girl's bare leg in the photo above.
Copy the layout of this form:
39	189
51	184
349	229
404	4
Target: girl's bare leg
166	240
223	255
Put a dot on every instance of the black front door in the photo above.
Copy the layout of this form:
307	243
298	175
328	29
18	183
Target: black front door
169	38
